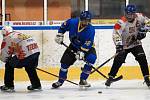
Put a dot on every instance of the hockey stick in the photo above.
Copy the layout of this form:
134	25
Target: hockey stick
96	69
113	80
104	63
56	76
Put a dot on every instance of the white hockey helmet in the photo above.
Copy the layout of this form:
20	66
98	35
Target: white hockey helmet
6	30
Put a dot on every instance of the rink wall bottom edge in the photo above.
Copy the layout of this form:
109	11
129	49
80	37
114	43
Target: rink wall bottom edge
128	72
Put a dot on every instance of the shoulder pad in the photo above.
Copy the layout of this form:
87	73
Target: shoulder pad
123	18
121	23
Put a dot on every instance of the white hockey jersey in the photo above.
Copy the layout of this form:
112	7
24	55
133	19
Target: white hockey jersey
19	44
125	33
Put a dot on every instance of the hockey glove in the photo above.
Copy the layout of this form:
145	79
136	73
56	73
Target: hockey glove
119	48
79	55
142	33
59	38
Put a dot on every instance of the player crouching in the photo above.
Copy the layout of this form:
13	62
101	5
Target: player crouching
19	50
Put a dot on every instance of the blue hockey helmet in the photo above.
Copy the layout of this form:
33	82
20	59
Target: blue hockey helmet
130	9
85	15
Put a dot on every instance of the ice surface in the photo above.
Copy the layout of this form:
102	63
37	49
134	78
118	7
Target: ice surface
121	90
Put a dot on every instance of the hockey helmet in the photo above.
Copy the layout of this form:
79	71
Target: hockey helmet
130	11
6	30
85	15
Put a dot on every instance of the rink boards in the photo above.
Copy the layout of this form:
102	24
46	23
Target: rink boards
51	54
128	72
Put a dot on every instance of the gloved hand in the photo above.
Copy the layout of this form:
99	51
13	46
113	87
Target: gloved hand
80	55
59	38
119	48
142	33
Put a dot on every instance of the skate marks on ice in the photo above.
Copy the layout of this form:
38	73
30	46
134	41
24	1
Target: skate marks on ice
121	90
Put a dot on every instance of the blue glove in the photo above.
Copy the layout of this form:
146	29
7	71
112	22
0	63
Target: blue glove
142	33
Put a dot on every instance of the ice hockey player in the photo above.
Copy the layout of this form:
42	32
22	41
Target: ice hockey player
81	35
127	36
19	50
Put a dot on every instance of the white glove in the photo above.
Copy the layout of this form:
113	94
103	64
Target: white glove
80	55
59	38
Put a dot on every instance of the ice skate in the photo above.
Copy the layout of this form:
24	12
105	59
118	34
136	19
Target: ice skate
147	81
7	89
83	84
109	81
56	85
34	88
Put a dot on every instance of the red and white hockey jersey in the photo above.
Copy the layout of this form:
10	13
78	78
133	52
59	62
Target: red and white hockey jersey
125	33
19	44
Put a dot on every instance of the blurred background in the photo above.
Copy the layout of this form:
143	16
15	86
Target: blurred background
33	10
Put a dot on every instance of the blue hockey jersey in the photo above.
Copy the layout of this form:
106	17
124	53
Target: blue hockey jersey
80	38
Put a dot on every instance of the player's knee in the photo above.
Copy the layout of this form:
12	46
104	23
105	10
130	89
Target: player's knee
91	58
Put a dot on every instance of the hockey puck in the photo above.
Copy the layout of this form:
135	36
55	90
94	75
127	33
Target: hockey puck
99	92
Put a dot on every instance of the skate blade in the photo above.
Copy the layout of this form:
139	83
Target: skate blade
8	91
84	87
35	90
54	88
